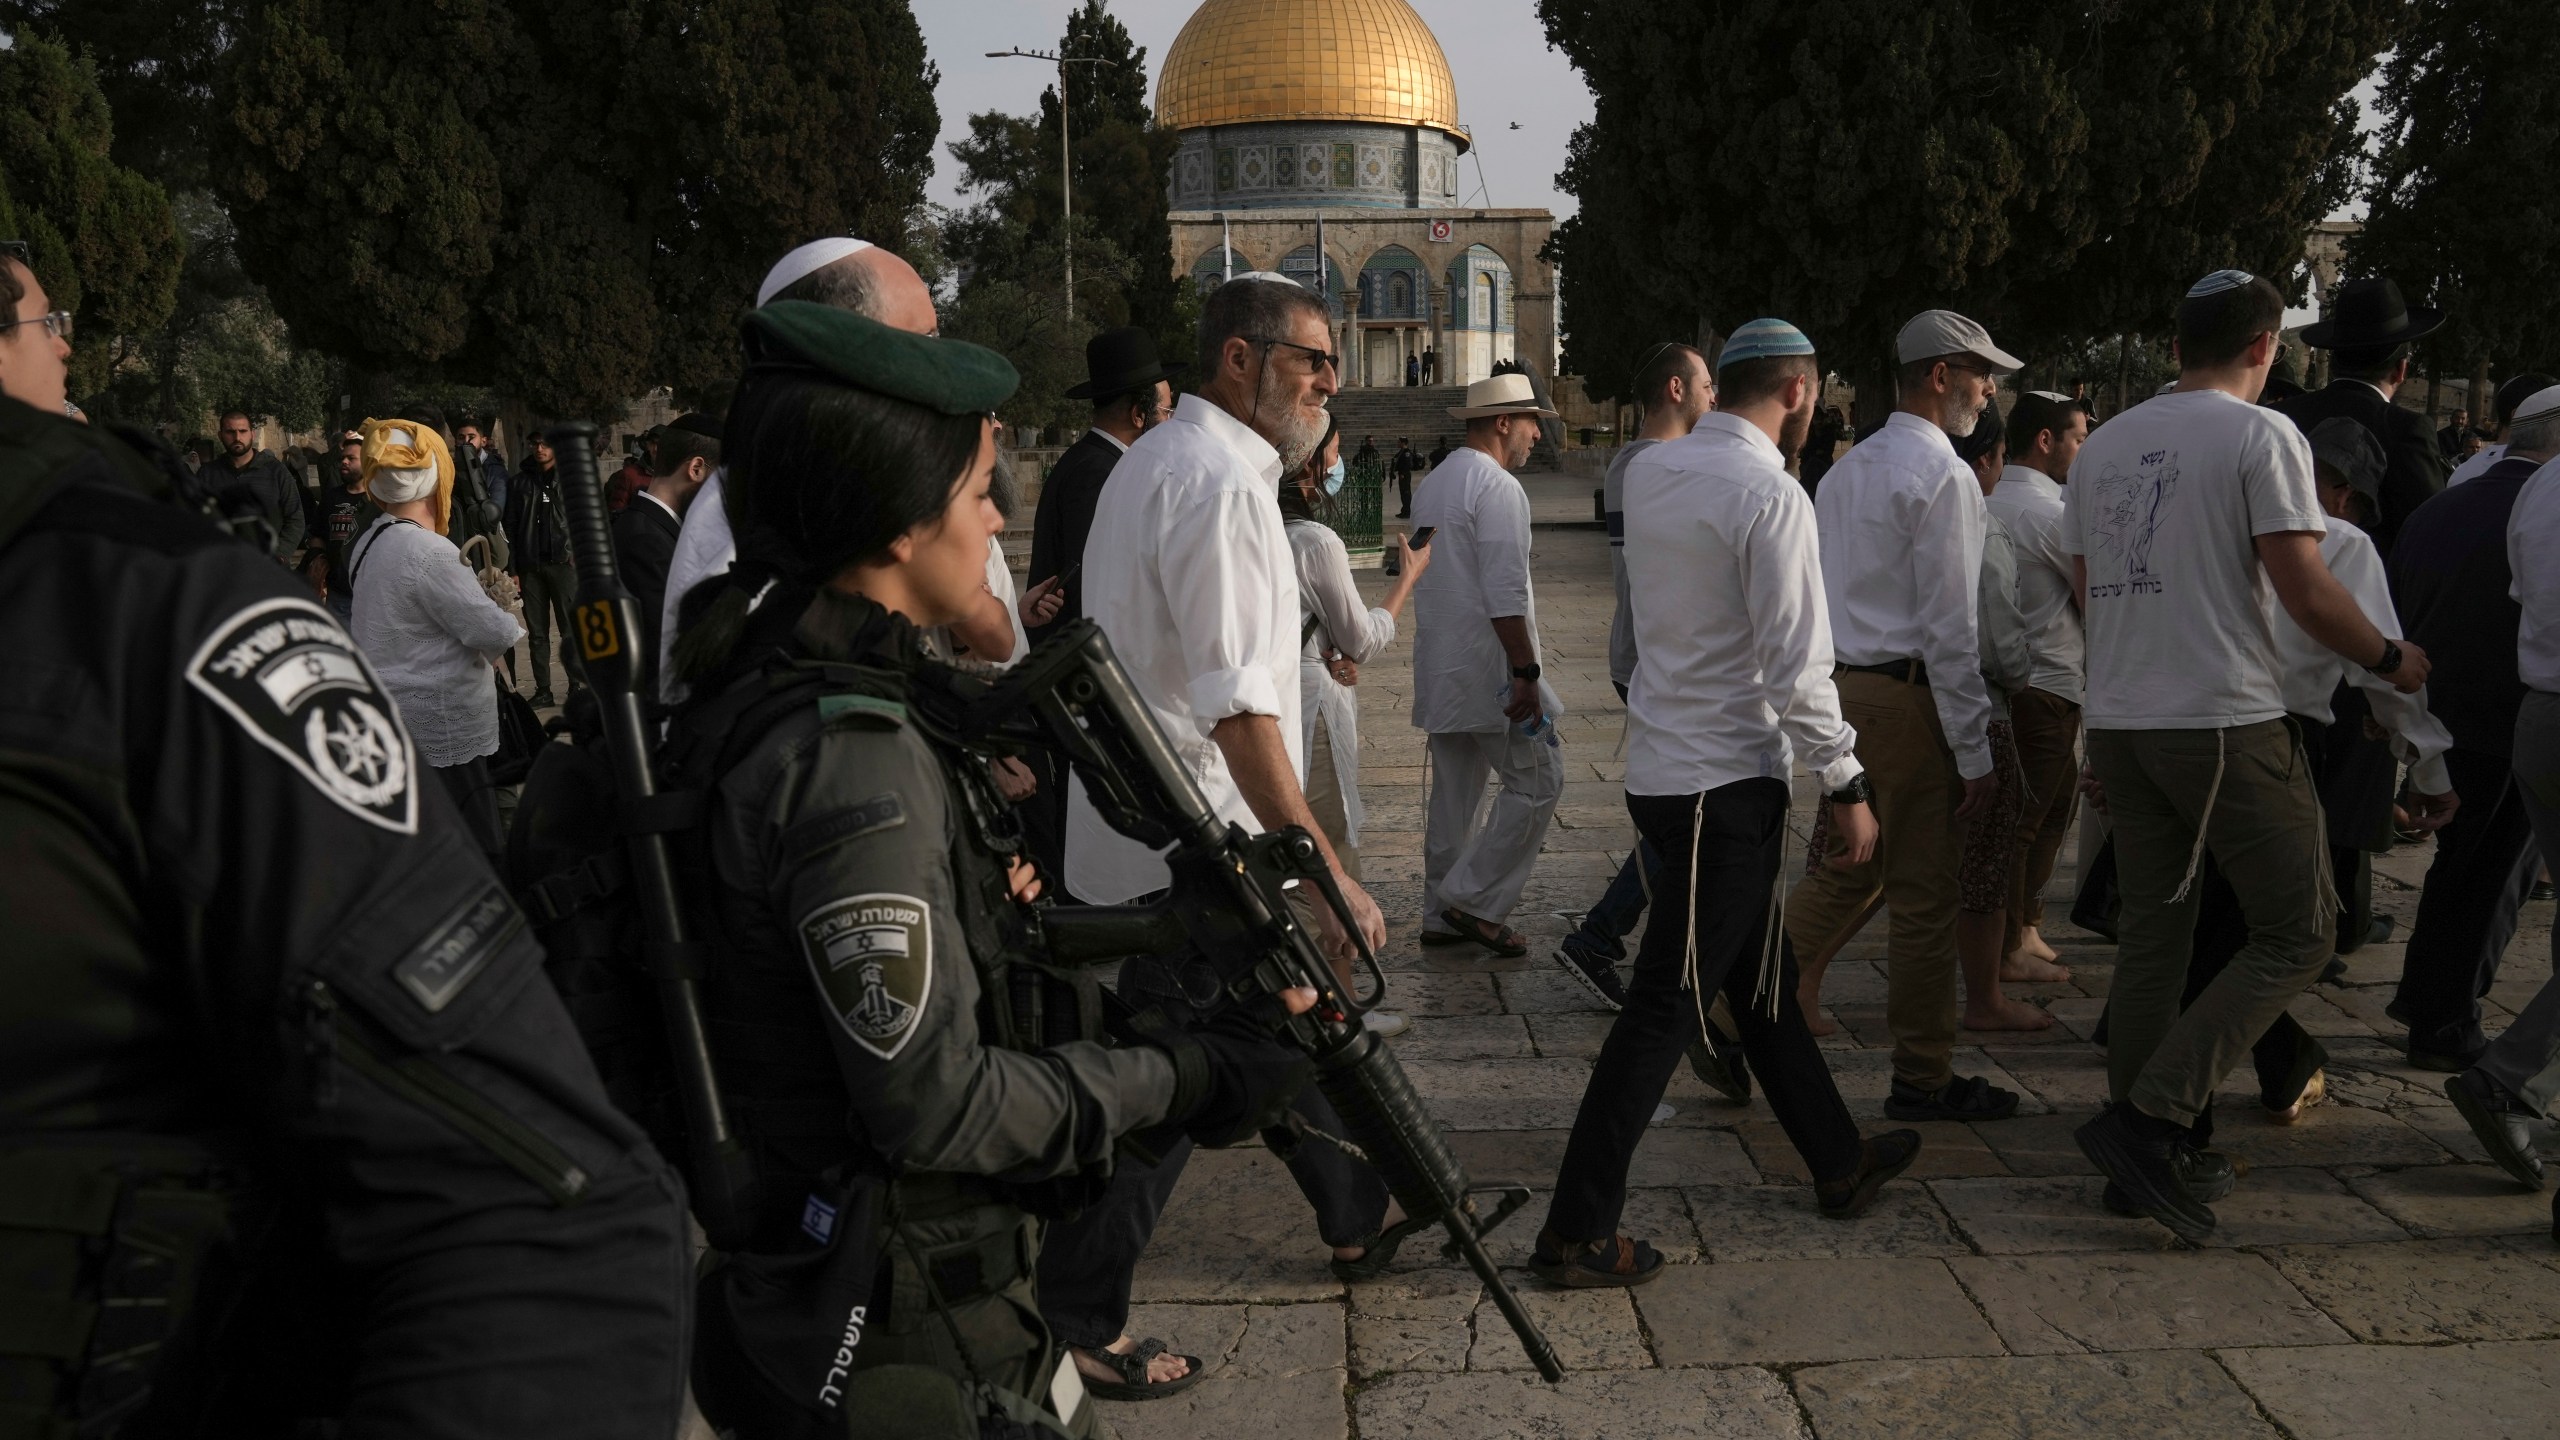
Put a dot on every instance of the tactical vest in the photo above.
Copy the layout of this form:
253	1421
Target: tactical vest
955	1253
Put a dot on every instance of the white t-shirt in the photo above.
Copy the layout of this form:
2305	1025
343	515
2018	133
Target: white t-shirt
2166	502
1479	571
2533	528
2477	466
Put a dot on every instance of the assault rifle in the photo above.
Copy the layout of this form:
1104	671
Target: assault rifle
1228	899
720	1171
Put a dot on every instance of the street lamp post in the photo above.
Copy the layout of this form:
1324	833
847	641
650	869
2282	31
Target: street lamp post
1066	151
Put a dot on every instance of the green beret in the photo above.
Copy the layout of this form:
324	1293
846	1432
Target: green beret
952	376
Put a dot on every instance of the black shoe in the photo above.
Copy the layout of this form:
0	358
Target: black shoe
1880	1159
1722	1068
542	700
2334	973
2503	1127
1597	975
2453	1062
2378	930
1966	1097
2208	1175
2143	1168
2541	891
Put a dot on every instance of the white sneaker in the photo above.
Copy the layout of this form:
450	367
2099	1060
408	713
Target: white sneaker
1386	1024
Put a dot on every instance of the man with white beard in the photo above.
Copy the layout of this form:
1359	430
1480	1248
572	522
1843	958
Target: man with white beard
1188	570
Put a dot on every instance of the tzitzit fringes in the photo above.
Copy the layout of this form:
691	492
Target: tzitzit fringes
1689	961
2204	822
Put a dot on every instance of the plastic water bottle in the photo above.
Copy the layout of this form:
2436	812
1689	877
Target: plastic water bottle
1541	726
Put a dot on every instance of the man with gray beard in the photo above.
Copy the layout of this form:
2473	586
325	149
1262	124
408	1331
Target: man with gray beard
1190	574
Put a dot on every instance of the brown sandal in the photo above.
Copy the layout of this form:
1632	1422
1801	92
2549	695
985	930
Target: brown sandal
1500	939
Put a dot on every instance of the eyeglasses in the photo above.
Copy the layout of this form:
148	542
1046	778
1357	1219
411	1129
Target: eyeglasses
57	324
1316	359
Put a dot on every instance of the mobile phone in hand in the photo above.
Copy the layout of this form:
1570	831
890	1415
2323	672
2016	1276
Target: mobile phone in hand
1419	538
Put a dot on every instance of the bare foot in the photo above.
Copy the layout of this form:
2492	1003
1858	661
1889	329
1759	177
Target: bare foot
2005	1014
1167	1366
1393	1218
2031	944
2025	969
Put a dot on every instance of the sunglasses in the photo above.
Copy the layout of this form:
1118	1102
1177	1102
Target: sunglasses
1316	359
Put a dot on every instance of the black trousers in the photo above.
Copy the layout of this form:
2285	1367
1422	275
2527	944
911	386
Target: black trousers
2485	863
1404	495
1088	1263
1738	828
477	798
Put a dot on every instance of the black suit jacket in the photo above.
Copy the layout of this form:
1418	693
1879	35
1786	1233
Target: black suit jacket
1065	518
2416	469
644	542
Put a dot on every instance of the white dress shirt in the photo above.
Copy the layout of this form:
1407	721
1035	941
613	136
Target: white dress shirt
1733	640
1613	511
1189	573
1479	572
2312	670
1329	596
2477	466
704	548
2533	528
2030	504
1901	522
431	633
2007	661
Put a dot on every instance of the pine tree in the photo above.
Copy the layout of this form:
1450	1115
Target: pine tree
104	238
2465	210
1846	165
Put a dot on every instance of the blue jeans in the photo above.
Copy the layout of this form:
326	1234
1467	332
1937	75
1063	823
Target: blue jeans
1606	925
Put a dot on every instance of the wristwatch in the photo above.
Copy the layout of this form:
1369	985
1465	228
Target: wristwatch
1525	672
2390	660
1859	791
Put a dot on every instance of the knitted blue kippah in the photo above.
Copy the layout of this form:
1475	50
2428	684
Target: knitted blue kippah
1762	340
2217	282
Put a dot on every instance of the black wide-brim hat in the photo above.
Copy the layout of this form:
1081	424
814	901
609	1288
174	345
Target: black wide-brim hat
1119	361
2370	315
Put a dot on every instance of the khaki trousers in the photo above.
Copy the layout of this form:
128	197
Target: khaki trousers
2048	735
1904	750
2248	790
1324	800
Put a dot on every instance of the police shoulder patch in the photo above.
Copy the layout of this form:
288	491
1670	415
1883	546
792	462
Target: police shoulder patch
872	956
286	673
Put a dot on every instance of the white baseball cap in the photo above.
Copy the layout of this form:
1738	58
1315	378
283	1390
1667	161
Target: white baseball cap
1933	333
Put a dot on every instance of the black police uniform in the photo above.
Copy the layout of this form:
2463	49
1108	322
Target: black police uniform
294	1125
868	1013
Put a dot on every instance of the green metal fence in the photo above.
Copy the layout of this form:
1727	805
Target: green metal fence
1358	512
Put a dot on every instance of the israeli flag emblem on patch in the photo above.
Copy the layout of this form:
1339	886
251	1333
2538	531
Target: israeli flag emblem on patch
818	1221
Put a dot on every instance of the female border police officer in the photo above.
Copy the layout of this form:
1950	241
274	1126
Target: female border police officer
872	903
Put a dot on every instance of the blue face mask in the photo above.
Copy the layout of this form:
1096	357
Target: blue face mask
1333	478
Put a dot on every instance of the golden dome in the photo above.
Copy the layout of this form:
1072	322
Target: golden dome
1238	61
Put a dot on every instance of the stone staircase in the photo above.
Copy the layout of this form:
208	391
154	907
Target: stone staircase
1419	414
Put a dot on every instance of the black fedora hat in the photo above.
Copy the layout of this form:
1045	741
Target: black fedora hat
2369	315
1118	361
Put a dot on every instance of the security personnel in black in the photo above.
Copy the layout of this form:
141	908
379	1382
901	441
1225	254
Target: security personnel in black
911	1122
291	1127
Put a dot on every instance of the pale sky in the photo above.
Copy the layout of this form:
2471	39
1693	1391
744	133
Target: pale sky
1496	49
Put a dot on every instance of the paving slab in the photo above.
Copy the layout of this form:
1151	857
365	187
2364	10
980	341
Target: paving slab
2431	1291
2057	1304
2160	1395
1783	1222
1946	1148
1801	1311
2373	1392
2326	1135
1274	1372
1236	1229
2042	1215
1738	1404
1466	1037
2067	1078
1668	1155
2038	1144
2432	1200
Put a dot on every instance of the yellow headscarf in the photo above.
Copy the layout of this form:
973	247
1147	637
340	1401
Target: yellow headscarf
426	448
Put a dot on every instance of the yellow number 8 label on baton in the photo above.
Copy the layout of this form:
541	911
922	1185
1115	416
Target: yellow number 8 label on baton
597	636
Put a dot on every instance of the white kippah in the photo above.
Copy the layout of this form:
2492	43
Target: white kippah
2056	396
1273	276
2538	407
801	263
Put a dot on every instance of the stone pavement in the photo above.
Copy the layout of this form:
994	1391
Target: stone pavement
2372	1276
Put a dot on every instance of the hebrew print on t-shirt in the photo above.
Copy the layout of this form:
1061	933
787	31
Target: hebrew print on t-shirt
2124	520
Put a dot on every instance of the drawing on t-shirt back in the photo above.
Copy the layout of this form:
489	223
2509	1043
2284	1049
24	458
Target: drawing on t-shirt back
2125	519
